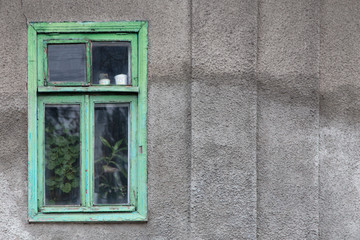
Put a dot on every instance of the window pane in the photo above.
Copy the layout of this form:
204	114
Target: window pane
109	60
111	153
67	63
62	154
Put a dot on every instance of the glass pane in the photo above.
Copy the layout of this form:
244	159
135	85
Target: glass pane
67	63
111	153
111	60
62	154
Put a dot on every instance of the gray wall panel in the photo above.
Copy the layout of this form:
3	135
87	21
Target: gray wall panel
288	117
340	120
223	107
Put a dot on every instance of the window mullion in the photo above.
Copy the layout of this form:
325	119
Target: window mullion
88	62
82	153
41	154
87	152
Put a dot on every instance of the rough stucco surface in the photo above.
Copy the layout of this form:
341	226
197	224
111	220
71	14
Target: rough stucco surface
223	117
168	118
253	118
340	121
288	119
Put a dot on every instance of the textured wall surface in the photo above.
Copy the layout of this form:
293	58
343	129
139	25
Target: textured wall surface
253	118
340	121
168	118
288	117
223	117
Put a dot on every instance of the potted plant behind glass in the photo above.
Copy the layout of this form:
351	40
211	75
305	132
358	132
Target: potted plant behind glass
113	176
62	165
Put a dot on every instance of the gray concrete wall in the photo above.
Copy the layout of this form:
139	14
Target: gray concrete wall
223	119
253	118
288	119
339	120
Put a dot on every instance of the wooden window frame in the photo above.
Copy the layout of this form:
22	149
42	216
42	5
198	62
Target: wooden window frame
86	94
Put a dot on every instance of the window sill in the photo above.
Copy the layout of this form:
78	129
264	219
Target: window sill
87	210
88	217
113	88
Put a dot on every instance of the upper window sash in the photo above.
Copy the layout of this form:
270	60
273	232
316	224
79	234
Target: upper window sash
44	40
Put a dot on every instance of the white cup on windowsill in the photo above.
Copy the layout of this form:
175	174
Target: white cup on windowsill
121	79
104	79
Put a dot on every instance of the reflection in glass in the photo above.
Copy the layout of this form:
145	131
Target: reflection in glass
66	62
111	153
62	154
111	58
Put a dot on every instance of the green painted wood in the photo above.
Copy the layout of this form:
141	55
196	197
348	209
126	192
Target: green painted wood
87	209
43	64
134	60
133	181
91	217
41	61
40	34
132	100
46	40
32	121
142	135
45	61
87	39
84	156
88	63
57	99
92	27
41	152
96	88
88	170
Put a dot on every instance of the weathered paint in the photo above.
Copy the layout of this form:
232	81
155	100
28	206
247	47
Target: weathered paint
88	209
132	100
90	217
142	132
58	99
119	89
136	96
32	122
134	26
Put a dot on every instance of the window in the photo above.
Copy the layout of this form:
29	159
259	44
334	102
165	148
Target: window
87	93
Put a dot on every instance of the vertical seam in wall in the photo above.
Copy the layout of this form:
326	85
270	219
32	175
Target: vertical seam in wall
257	114
190	109
319	115
23	13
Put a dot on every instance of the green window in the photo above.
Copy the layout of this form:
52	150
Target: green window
87	94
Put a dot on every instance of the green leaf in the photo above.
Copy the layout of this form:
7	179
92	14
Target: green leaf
105	142
70	176
123	149
50	183
75	184
124	173
58	171
67	157
100	159
122	158
66	188
117	144
51	165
